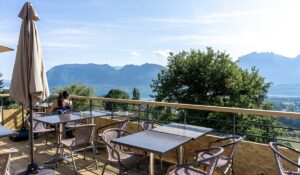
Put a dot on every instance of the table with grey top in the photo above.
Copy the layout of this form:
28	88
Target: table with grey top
4	132
162	139
61	120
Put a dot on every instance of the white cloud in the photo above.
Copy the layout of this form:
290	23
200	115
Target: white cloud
163	53
135	55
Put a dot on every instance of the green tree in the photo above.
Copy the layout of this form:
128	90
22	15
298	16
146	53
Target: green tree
212	78
79	90
136	94
1	82
116	93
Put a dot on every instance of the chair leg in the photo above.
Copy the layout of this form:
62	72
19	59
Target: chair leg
73	161
47	138
161	165
57	154
104	167
94	155
84	154
233	171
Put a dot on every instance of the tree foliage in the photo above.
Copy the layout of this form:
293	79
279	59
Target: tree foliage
79	90
212	78
116	93
136	94
1	82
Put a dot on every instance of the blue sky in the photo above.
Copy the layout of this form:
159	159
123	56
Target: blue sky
119	32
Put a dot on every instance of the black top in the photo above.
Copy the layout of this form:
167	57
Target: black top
151	141
183	130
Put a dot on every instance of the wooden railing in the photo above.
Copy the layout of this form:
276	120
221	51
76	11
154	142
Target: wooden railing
271	113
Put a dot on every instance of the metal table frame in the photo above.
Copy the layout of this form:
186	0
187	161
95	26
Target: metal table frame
177	131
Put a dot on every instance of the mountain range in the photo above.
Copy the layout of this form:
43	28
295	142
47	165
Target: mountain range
283	72
105	77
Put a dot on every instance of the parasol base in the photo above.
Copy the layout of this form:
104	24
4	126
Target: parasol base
21	136
33	169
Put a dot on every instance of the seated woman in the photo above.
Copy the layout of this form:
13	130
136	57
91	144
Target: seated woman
62	104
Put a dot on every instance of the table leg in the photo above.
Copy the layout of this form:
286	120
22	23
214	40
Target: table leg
151	164
181	153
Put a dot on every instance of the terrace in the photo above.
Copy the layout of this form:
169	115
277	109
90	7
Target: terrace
250	158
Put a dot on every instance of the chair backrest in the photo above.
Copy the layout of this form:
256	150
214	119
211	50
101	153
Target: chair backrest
147	125
112	148
122	124
213	159
83	133
279	156
4	163
230	145
37	126
213	155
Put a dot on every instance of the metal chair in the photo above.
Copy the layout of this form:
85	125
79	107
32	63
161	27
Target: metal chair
81	142
5	160
224	163
119	125
39	127
116	155
147	125
190	168
279	156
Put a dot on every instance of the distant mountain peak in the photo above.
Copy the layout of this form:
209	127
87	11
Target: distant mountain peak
104	77
275	68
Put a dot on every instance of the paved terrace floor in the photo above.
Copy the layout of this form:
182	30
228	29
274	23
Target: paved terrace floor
44	152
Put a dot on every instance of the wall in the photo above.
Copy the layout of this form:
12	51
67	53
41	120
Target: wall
12	118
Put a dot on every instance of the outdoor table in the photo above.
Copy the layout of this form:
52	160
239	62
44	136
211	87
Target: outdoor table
4	132
61	120
163	139
152	142
183	130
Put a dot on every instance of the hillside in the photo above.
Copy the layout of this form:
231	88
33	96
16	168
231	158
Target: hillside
282	71
105	77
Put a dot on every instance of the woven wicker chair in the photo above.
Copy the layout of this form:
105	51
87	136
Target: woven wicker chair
147	125
81	142
224	163
190	168
39	127
116	155
122	124
279	156
5	160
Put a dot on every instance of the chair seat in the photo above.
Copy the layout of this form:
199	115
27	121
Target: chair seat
69	142
73	125
222	161
127	159
187	171
40	130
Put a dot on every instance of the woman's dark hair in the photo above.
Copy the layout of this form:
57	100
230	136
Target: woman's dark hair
63	95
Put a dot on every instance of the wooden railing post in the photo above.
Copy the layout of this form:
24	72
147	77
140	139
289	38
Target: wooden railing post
184	115
139	117
2	113
234	124
147	112
91	106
